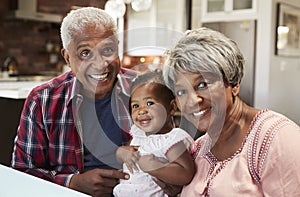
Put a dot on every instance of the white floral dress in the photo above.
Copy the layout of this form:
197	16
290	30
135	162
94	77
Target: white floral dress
140	183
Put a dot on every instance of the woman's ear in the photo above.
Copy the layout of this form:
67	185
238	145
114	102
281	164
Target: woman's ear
235	90
173	107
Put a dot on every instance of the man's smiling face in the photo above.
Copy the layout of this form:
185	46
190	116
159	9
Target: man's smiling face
93	58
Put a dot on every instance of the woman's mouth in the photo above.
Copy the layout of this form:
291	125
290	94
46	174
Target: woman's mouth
200	113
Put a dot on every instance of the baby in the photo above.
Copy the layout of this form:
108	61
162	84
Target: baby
163	151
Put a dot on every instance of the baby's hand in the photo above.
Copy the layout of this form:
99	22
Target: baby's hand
129	156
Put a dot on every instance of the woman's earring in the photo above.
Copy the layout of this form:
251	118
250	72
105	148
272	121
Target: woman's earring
235	90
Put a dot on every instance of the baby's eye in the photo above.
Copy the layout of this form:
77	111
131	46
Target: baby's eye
180	92
149	103
134	106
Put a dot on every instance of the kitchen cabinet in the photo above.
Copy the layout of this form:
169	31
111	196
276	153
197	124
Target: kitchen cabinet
9	121
12	98
228	10
27	10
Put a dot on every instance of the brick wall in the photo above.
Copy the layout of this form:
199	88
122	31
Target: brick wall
26	40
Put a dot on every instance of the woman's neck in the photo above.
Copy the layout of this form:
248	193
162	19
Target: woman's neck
233	132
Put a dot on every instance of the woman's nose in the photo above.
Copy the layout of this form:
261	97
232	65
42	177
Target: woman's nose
194	99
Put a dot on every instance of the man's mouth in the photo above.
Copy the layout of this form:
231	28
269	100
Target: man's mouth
200	113
99	76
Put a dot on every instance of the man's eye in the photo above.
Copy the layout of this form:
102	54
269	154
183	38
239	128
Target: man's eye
85	53
180	92
149	103
134	106
108	51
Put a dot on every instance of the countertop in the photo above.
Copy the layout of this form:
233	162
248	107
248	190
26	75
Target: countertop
17	89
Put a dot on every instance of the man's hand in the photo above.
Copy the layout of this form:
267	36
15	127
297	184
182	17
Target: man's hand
129	156
97	182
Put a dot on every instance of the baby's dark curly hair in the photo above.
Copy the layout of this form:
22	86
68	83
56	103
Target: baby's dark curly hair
156	78
151	77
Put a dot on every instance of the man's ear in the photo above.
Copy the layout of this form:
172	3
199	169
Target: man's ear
65	54
235	90
173	107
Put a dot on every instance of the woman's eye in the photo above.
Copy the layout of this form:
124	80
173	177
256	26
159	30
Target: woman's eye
134	106
202	85
180	92
149	103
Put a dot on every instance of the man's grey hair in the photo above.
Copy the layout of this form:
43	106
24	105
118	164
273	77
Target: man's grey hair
204	50
77	20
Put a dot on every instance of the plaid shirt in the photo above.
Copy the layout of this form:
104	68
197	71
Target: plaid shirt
49	141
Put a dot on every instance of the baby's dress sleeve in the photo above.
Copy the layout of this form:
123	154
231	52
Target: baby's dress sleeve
178	135
138	136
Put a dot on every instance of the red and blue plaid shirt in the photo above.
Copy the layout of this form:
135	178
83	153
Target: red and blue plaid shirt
49	139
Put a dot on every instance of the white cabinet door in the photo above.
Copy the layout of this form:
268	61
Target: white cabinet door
228	10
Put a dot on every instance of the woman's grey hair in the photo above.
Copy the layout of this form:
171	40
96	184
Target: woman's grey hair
77	20
204	50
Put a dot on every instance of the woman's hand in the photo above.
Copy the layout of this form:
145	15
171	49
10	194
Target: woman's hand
170	190
129	156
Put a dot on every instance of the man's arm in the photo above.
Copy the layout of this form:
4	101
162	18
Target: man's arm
35	151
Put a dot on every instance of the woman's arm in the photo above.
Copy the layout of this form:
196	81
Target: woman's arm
178	171
280	175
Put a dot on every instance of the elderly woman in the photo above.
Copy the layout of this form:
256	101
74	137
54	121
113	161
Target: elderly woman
245	151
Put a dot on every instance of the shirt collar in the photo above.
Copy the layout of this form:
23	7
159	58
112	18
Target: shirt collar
122	87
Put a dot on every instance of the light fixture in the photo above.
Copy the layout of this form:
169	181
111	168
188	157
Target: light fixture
127	1
117	8
141	5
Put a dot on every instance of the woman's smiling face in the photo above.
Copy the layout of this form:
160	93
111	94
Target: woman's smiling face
203	99
93	58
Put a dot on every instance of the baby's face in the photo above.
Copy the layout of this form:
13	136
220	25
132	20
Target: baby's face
149	109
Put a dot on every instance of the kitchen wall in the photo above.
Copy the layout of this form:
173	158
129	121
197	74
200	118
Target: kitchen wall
284	76
277	77
27	39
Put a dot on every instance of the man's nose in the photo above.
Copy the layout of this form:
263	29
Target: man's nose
101	62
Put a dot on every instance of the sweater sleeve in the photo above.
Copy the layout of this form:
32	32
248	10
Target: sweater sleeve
280	174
